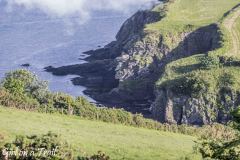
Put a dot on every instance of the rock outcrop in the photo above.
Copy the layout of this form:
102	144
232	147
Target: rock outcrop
124	72
171	108
111	65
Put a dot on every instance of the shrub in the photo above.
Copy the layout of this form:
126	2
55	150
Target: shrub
218	132
64	103
210	61
99	156
44	147
229	61
23	82
138	120
222	149
193	84
85	109
17	101
49	146
226	80
39	99
14	86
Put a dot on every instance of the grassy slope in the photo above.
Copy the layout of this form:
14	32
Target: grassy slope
120	142
188	15
232	25
199	13
193	12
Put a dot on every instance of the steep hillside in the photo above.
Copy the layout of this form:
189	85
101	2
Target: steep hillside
174	58
191	92
87	137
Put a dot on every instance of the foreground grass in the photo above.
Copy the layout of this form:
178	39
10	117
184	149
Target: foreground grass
120	142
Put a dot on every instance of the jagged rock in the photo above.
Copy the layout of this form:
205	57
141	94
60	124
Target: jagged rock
171	108
124	72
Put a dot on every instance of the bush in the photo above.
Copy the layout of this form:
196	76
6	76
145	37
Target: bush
218	132
64	103
229	61
44	147
210	61
23	82
49	146
197	85
222	149
99	156
17	101
36	97
227	80
85	109
192	84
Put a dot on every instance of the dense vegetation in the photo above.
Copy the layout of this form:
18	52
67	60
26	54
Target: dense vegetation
184	16
87	137
222	149
45	147
22	90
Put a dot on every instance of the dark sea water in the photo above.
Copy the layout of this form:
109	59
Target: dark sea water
34	38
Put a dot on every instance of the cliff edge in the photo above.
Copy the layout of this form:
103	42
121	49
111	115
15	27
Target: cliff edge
171	63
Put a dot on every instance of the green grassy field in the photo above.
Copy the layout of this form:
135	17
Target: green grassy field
120	142
193	12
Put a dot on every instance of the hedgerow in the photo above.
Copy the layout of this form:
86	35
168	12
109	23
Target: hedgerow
47	102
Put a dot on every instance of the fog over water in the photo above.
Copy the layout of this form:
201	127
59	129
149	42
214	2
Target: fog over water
42	33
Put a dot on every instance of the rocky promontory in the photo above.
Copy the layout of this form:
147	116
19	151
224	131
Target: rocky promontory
102	75
126	72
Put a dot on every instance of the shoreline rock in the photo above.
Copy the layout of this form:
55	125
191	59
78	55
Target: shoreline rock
99	74
25	65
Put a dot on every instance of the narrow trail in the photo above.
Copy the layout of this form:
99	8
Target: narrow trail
230	24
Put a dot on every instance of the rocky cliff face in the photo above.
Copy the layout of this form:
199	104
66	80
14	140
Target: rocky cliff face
171	108
124	72
113	64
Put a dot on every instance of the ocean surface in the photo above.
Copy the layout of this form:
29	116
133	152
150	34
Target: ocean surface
33	37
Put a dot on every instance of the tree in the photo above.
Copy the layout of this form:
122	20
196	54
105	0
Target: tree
23	82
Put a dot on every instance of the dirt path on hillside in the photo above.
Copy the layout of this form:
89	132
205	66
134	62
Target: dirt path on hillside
230	24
